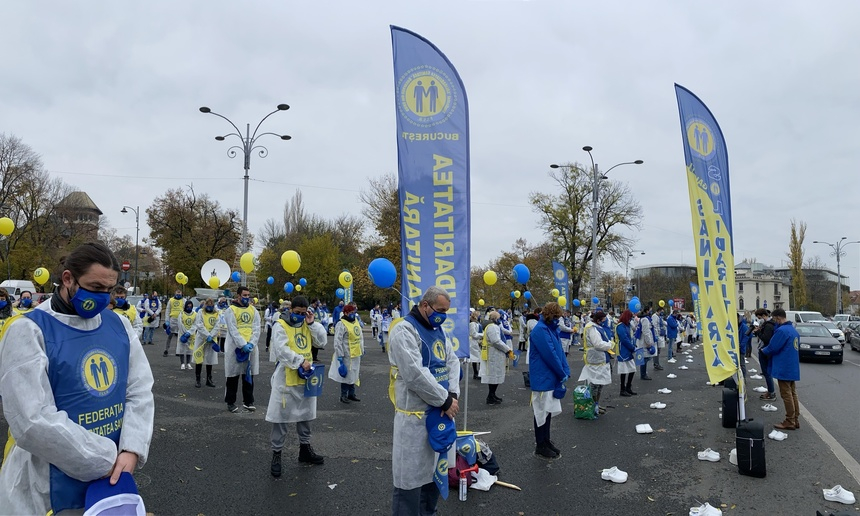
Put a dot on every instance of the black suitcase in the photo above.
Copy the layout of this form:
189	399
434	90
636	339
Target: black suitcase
750	445
730	383
730	408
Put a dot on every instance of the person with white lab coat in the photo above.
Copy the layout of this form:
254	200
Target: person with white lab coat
187	322
124	308
424	372
241	356
645	338
348	349
494	357
293	337
70	430
475	336
596	370
565	332
206	345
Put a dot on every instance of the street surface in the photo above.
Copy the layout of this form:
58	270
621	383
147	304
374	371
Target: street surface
204	460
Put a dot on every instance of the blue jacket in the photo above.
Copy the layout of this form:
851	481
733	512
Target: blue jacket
626	345
547	363
746	336
783	353
672	328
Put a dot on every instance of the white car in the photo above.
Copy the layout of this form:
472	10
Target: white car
833	329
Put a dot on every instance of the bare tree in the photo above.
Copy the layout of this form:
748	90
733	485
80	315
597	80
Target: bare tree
795	257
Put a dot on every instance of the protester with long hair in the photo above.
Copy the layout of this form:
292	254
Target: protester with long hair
494	353
548	371
596	371
626	348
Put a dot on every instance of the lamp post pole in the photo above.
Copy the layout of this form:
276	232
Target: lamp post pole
249	145
627	272
136	240
595	197
837	250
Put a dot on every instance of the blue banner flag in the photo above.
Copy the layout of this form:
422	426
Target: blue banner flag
433	174
707	163
559	276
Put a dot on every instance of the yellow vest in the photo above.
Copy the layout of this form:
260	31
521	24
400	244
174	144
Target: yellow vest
174	307
130	313
244	320
353	333
18	310
188	322
209	319
299	341
485	347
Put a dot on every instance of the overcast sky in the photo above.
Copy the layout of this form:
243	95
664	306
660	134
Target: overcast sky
107	92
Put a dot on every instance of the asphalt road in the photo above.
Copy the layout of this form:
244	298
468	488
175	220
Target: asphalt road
204	460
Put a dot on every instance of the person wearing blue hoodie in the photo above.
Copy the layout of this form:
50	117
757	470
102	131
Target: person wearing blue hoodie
672	335
548	372
626	348
785	367
745	342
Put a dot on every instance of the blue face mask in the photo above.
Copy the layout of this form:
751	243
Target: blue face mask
89	304
245	301
437	318
296	319
121	303
177	296
350	317
210	308
3	304
26	302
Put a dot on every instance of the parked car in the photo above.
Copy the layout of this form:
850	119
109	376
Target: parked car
849	328
854	339
838	318
834	330
817	343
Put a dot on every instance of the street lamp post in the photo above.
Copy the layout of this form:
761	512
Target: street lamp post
595	197
249	145
837	250
627	271
136	240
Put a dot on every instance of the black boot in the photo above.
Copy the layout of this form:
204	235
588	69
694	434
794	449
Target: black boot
306	454
624	393
276	464
209	382
198	383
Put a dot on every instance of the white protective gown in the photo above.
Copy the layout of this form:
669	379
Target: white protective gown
565	333
475	336
531	326
341	349
596	369
659	326
647	338
412	459
234	340
494	368
288	404
210	356
185	348
29	407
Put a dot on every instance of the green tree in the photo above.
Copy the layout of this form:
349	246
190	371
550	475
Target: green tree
566	217
191	229
795	259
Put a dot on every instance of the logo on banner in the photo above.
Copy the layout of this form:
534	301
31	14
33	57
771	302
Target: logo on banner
98	371
426	96
700	138
559	274
694	289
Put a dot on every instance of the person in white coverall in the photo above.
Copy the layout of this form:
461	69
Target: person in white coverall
348	349
68	430
293	338
494	357
425	373
242	321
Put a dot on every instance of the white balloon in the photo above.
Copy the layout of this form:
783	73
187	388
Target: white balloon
215	267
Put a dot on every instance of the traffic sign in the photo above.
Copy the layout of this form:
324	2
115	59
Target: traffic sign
126	265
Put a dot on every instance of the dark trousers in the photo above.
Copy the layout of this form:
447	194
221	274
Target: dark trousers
542	433
233	387
643	369
347	389
764	360
420	501
198	368
268	336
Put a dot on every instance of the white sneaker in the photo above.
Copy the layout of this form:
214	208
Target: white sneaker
746	361
685	345
756	377
644	428
753	371
760	389
769	408
837	494
733	456
658	405
614	474
776	435
708	383
705	510
685	352
182	366
690	360
664	391
709	455
671	375
683	367
671	361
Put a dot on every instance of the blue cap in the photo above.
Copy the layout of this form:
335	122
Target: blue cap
121	498
441	431
304	375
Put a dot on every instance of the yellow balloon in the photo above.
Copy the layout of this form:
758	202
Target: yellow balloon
7	226
490	278
662	303
562	301
256	300
517	294
214	282
554	292
280	301
181	278
41	275
345	279
480	302
298	288
291	261
246	262
582	303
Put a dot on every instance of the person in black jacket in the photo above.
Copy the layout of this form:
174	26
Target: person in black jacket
764	333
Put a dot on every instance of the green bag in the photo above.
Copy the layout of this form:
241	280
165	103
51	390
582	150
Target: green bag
584	406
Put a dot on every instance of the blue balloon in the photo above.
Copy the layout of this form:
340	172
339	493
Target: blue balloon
527	294
632	305
576	302
339	293
236	276
303	282
513	295
288	287
595	300
382	273
270	280
671	302
521	273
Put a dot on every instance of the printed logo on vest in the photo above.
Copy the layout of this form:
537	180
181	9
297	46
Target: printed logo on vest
301	342
245	318
98	372
439	349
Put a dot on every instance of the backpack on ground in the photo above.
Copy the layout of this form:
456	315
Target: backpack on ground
584	406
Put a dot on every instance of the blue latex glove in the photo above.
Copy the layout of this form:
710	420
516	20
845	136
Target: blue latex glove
565	379
652	350
167	329
209	339
184	338
341	369
216	348
247	347
304	375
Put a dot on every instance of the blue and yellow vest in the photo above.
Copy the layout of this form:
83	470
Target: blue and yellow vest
353	335
433	357
210	319
174	307
299	341
88	373
130	313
